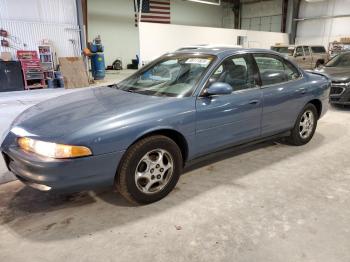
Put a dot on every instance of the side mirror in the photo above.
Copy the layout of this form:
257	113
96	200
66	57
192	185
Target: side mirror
298	54
219	88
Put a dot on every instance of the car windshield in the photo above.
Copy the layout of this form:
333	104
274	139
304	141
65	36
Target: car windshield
341	60
174	76
283	49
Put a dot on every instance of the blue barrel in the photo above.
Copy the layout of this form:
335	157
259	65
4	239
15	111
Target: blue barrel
59	82
58	74
50	83
98	66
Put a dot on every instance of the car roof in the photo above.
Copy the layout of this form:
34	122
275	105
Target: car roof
222	51
283	45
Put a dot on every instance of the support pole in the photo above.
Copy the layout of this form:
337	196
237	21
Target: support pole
295	15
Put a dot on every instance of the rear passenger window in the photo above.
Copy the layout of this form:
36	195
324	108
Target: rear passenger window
292	73
271	70
274	70
306	50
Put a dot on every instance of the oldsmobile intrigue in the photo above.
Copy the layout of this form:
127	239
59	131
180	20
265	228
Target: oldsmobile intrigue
138	134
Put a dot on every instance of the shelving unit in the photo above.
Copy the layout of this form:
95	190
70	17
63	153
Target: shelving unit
47	61
335	48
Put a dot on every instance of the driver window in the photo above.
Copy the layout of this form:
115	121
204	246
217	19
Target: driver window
236	71
299	51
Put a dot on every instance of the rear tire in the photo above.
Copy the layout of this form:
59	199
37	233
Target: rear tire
149	170
304	127
319	63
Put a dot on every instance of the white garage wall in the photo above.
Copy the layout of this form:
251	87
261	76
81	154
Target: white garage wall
262	16
158	39
114	21
48	11
195	14
259	39
29	22
323	31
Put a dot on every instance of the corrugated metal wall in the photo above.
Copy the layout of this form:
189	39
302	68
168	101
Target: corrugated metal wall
323	31
262	16
31	21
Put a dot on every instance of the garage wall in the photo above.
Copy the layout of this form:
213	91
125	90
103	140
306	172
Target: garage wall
29	22
196	14
156	39
323	31
262	15
114	21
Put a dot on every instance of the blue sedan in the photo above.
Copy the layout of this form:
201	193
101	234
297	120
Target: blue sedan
138	135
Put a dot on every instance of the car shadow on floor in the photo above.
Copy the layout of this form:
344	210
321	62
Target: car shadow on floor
48	216
344	108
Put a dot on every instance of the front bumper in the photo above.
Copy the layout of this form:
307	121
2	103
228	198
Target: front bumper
62	174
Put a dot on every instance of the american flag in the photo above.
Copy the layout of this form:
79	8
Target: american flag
152	11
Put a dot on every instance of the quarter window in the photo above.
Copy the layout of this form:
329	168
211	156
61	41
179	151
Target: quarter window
238	71
274	70
318	49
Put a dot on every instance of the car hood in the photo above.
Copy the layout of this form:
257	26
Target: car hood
336	74
67	114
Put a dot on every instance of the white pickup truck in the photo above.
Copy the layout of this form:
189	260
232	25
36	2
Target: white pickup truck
306	56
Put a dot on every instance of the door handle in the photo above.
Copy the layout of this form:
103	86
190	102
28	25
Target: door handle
253	102
302	91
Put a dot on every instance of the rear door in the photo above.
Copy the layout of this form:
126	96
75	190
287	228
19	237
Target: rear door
308	58
283	93
299	56
224	120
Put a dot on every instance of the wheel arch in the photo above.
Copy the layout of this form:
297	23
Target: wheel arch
321	61
173	134
318	104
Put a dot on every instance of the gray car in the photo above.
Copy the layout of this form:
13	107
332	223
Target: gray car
338	70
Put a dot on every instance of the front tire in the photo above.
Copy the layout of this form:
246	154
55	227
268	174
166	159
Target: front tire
319	63
149	170
305	126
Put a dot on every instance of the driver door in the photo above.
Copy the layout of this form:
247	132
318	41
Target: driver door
224	120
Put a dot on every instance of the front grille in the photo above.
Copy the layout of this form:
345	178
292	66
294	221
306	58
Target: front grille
335	99
337	88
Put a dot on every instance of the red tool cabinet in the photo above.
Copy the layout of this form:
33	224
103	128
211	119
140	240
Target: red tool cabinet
33	74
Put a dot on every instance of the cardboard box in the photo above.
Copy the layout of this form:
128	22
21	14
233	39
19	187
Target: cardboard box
6	56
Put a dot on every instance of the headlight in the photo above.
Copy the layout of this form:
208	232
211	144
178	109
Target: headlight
52	150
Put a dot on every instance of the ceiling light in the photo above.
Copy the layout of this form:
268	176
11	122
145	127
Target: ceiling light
208	2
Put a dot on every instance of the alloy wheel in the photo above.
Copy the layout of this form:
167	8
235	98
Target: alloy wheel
154	171
306	124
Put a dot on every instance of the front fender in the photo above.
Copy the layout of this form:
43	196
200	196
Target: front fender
116	134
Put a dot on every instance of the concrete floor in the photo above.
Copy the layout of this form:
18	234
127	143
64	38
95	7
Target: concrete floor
14	103
270	202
